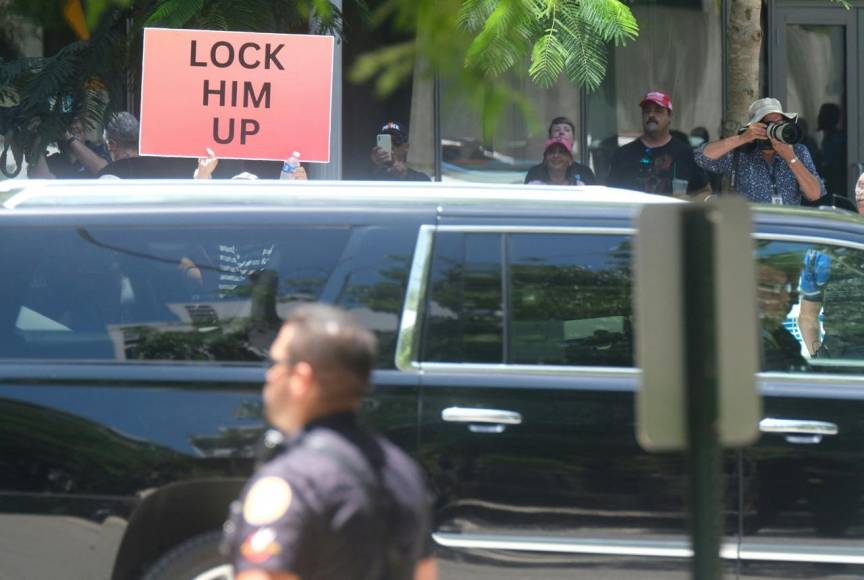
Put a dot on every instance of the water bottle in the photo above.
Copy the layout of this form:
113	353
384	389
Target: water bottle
290	166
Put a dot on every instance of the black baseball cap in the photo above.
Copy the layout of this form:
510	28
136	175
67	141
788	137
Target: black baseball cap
396	130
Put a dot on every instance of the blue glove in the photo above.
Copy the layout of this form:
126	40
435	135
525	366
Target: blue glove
814	275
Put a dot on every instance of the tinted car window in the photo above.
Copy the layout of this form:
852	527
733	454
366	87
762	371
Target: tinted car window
530	299
810	309
464	311
191	294
570	300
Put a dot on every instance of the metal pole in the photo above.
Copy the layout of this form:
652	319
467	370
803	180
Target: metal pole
436	125
702	414
333	170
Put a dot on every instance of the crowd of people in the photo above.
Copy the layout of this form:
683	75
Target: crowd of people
758	165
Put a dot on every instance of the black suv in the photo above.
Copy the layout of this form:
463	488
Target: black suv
134	318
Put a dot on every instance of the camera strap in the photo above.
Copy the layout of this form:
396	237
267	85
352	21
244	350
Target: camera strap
733	181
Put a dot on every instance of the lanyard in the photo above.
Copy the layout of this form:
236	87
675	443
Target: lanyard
776	197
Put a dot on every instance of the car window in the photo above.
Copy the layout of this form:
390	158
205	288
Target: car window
570	300
186	294
810	311
464	312
529	299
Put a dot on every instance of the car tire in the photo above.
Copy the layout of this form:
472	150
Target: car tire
195	559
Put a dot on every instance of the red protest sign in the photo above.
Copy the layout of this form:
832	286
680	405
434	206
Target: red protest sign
244	95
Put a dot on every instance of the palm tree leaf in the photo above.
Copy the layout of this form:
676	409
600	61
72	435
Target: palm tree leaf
547	60
495	49
174	13
610	19
586	55
474	13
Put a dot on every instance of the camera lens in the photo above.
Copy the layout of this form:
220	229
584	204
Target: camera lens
785	132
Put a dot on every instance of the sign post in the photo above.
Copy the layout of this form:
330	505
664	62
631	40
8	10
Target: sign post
697	345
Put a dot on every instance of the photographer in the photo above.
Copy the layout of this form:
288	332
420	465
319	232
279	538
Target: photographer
765	158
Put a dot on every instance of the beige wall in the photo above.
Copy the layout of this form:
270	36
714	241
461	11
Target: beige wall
678	52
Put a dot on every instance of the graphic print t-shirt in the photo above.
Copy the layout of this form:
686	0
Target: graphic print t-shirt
640	168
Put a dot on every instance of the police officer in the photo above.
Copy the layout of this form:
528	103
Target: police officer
335	501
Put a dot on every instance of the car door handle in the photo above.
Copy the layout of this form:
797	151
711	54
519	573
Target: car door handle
798	430
471	415
797	427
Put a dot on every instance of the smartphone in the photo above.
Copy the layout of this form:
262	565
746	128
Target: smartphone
385	142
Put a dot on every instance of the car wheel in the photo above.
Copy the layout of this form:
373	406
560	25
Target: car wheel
194	559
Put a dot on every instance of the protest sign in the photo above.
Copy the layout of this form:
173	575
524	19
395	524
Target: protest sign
244	95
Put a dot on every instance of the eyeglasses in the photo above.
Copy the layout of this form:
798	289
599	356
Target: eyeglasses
776	288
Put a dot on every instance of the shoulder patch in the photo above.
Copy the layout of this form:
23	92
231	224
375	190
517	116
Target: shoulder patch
260	546
267	501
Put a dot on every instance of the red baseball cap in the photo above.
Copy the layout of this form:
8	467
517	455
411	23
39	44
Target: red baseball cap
559	141
658	97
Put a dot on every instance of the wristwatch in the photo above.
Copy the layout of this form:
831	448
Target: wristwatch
793	161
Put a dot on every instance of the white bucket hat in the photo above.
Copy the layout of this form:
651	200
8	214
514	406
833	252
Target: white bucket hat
762	107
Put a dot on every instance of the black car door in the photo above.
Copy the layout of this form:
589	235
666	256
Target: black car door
527	421
804	480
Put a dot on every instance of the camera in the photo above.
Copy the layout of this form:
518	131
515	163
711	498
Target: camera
786	132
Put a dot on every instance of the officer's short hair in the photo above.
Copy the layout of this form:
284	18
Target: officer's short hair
338	348
122	129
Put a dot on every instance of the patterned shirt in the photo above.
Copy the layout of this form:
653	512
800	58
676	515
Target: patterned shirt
756	178
237	263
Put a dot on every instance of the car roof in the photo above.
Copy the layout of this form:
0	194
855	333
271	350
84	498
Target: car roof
167	194
115	196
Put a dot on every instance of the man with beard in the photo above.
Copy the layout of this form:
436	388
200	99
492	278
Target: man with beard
765	169
655	162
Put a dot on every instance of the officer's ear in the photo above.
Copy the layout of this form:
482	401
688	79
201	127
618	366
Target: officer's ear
305	379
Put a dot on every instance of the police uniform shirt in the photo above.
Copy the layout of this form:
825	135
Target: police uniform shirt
305	511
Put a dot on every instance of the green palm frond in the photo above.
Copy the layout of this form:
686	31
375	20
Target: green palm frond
586	50
474	13
610	19
547	60
494	55
496	49
236	15
213	21
569	36
174	13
